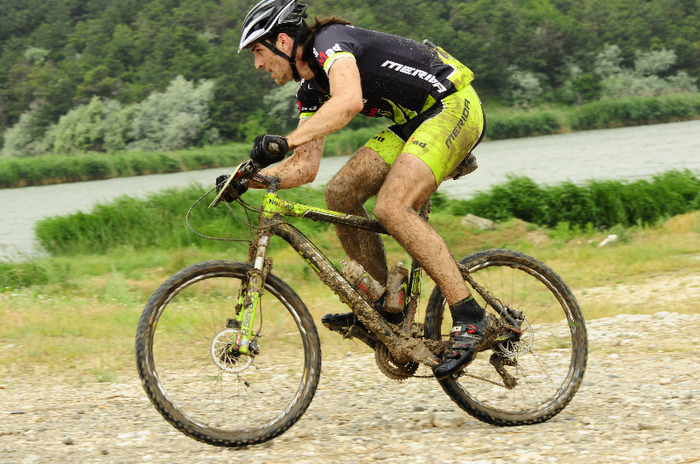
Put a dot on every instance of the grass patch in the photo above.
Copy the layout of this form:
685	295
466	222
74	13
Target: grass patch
54	169
80	322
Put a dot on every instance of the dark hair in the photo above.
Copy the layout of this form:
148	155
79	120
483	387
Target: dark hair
306	35
309	33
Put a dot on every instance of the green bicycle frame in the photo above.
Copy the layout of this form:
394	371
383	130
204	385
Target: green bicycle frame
402	346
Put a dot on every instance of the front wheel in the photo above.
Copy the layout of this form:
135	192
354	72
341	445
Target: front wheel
209	391
545	364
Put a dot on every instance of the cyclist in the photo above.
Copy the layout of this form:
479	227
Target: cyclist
343	70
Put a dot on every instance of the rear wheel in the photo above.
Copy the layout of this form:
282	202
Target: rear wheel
547	361
208	391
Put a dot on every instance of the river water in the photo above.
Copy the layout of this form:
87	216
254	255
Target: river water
625	153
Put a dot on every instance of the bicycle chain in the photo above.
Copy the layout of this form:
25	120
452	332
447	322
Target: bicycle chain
463	375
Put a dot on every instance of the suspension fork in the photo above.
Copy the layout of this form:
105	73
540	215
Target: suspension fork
252	291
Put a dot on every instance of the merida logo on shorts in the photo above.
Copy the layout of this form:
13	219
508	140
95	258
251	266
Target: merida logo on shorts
409	71
460	125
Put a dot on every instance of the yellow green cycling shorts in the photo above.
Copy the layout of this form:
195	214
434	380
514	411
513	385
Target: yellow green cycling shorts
441	136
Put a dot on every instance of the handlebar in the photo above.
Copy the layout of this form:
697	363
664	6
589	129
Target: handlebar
251	171
244	172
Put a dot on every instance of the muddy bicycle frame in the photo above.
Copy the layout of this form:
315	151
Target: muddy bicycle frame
403	345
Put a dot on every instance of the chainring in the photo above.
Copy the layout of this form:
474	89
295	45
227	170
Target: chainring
389	366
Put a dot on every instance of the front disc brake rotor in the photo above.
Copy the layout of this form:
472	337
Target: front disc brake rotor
224	356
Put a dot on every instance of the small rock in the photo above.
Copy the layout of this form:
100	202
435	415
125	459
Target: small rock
478	222
612	238
68	441
448	420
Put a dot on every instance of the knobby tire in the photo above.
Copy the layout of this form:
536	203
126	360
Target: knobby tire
550	373
180	360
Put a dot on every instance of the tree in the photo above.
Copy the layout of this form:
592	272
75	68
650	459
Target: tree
175	118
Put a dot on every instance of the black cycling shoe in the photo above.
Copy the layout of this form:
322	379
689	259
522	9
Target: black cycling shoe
339	321
465	341
346	320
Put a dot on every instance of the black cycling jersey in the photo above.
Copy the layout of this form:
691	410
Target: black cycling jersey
400	77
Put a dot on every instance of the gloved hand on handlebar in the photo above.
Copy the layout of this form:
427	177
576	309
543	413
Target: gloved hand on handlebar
268	149
234	190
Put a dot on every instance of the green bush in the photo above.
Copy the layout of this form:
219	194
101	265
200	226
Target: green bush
521	124
159	221
174	119
14	276
603	204
635	111
18	172
84	128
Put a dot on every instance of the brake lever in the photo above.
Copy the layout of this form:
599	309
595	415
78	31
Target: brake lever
241	170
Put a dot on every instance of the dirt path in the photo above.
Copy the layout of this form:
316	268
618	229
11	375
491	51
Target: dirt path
638	404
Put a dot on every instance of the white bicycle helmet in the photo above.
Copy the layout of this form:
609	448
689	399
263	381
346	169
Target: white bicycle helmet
268	15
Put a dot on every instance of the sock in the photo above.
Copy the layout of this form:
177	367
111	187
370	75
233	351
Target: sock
467	311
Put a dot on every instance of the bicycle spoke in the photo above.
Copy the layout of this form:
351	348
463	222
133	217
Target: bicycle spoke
547	373
203	386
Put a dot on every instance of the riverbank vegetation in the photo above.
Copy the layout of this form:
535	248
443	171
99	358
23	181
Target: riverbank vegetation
140	228
597	204
158	220
55	169
503	123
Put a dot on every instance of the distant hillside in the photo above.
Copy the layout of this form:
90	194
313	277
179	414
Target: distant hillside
57	55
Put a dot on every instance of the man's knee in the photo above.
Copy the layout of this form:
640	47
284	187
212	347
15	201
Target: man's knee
386	209
337	192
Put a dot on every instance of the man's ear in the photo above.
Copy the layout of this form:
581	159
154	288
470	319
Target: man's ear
284	43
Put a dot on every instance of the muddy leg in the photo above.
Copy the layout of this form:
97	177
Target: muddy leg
356	182
409	183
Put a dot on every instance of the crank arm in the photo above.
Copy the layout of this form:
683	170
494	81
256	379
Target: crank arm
402	348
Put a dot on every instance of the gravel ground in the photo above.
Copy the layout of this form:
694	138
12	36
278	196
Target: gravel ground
637	404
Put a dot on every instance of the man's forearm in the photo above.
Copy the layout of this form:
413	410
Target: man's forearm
300	168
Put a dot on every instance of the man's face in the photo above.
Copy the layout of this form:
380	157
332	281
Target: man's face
271	62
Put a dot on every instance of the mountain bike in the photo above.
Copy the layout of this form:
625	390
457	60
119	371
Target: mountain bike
229	354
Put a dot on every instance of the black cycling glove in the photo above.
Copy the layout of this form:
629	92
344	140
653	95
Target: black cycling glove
268	149
234	190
